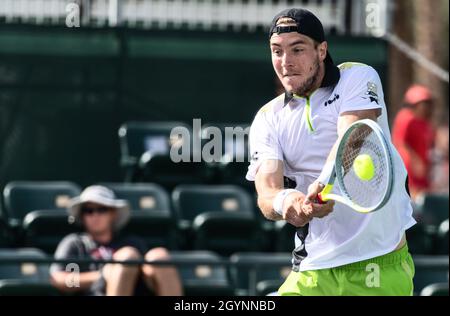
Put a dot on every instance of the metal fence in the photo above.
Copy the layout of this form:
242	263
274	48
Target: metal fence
340	16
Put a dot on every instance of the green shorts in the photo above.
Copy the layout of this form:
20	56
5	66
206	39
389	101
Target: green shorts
388	275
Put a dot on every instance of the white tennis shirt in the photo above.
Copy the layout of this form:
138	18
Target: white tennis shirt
301	133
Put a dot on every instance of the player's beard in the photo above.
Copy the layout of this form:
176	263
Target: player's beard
309	84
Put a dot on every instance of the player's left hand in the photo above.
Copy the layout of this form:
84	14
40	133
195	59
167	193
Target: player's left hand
314	209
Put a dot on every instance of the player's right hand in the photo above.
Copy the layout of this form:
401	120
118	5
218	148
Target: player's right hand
293	210
311	206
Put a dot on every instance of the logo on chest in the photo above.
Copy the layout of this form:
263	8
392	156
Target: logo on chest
330	102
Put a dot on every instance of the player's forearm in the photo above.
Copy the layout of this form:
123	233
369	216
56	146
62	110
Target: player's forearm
269	182
265	204
267	191
71	282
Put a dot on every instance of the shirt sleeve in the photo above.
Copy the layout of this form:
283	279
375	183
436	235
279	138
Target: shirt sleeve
363	90
67	248
264	144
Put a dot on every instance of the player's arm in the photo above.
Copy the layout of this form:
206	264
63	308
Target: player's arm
344	121
61	279
271	195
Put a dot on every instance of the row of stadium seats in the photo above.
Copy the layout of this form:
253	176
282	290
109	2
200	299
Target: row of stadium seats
198	279
247	274
146	153
221	218
430	235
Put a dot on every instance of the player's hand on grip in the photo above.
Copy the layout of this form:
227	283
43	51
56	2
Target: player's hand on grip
293	210
312	207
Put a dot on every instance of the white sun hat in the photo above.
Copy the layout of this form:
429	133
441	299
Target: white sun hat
100	195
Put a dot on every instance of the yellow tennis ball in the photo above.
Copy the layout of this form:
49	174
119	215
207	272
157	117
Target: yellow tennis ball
364	167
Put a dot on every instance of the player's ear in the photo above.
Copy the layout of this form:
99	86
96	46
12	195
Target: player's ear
322	48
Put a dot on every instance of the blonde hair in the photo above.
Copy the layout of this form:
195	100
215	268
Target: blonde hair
286	21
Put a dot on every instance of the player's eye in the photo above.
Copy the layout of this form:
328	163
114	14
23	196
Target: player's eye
298	50
276	52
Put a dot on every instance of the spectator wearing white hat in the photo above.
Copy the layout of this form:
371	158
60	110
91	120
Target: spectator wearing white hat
102	216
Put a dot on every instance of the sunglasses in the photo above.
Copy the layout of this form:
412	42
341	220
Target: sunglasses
92	210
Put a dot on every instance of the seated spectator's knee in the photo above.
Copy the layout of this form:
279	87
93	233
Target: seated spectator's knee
127	253
159	253
152	255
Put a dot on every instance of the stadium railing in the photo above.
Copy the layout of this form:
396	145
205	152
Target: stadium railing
438	264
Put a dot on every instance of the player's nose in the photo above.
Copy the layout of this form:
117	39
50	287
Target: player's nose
286	61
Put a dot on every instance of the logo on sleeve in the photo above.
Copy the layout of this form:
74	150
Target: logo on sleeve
372	93
255	156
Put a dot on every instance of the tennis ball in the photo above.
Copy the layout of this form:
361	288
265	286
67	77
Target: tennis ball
364	167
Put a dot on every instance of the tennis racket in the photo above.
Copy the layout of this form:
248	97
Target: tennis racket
363	169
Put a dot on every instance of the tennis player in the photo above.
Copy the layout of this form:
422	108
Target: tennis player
293	140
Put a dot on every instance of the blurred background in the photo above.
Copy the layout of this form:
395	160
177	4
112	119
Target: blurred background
64	92
85	83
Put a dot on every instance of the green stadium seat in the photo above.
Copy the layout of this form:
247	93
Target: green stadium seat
162	170
232	165
203	279
21	198
155	228
442	239
429	270
138	137
421	239
27	288
259	273
142	196
27	271
145	154
151	217
433	209
44	229
226	233
284	237
436	289
192	200
267	226
268	287
5	234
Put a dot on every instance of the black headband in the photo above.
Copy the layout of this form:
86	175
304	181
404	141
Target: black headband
285	29
306	23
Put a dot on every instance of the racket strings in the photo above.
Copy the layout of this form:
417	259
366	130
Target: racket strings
363	140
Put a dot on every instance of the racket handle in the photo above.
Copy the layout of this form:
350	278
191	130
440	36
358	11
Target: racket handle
326	190
319	199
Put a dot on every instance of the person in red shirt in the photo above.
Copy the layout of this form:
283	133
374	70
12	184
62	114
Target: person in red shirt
413	136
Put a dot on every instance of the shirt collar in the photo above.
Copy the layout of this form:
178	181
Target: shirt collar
331	78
